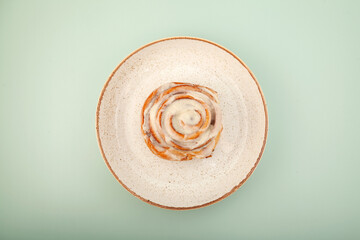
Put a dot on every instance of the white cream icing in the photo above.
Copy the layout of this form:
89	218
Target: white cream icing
182	121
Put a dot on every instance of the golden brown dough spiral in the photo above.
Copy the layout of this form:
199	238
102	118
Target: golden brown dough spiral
181	121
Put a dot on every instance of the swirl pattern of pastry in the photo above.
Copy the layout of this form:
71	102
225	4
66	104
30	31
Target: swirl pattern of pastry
181	121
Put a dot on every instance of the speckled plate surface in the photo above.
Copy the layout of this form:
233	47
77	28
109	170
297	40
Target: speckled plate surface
186	184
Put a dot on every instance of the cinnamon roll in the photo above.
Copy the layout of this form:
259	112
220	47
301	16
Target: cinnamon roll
181	121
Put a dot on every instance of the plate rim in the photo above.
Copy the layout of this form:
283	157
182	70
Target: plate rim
235	187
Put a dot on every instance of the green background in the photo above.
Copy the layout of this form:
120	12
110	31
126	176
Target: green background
55	57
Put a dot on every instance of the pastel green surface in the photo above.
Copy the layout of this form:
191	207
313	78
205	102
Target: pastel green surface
55	57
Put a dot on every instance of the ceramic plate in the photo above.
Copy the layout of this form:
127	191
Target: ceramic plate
181	184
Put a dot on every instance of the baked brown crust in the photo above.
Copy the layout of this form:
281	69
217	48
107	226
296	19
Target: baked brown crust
181	121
